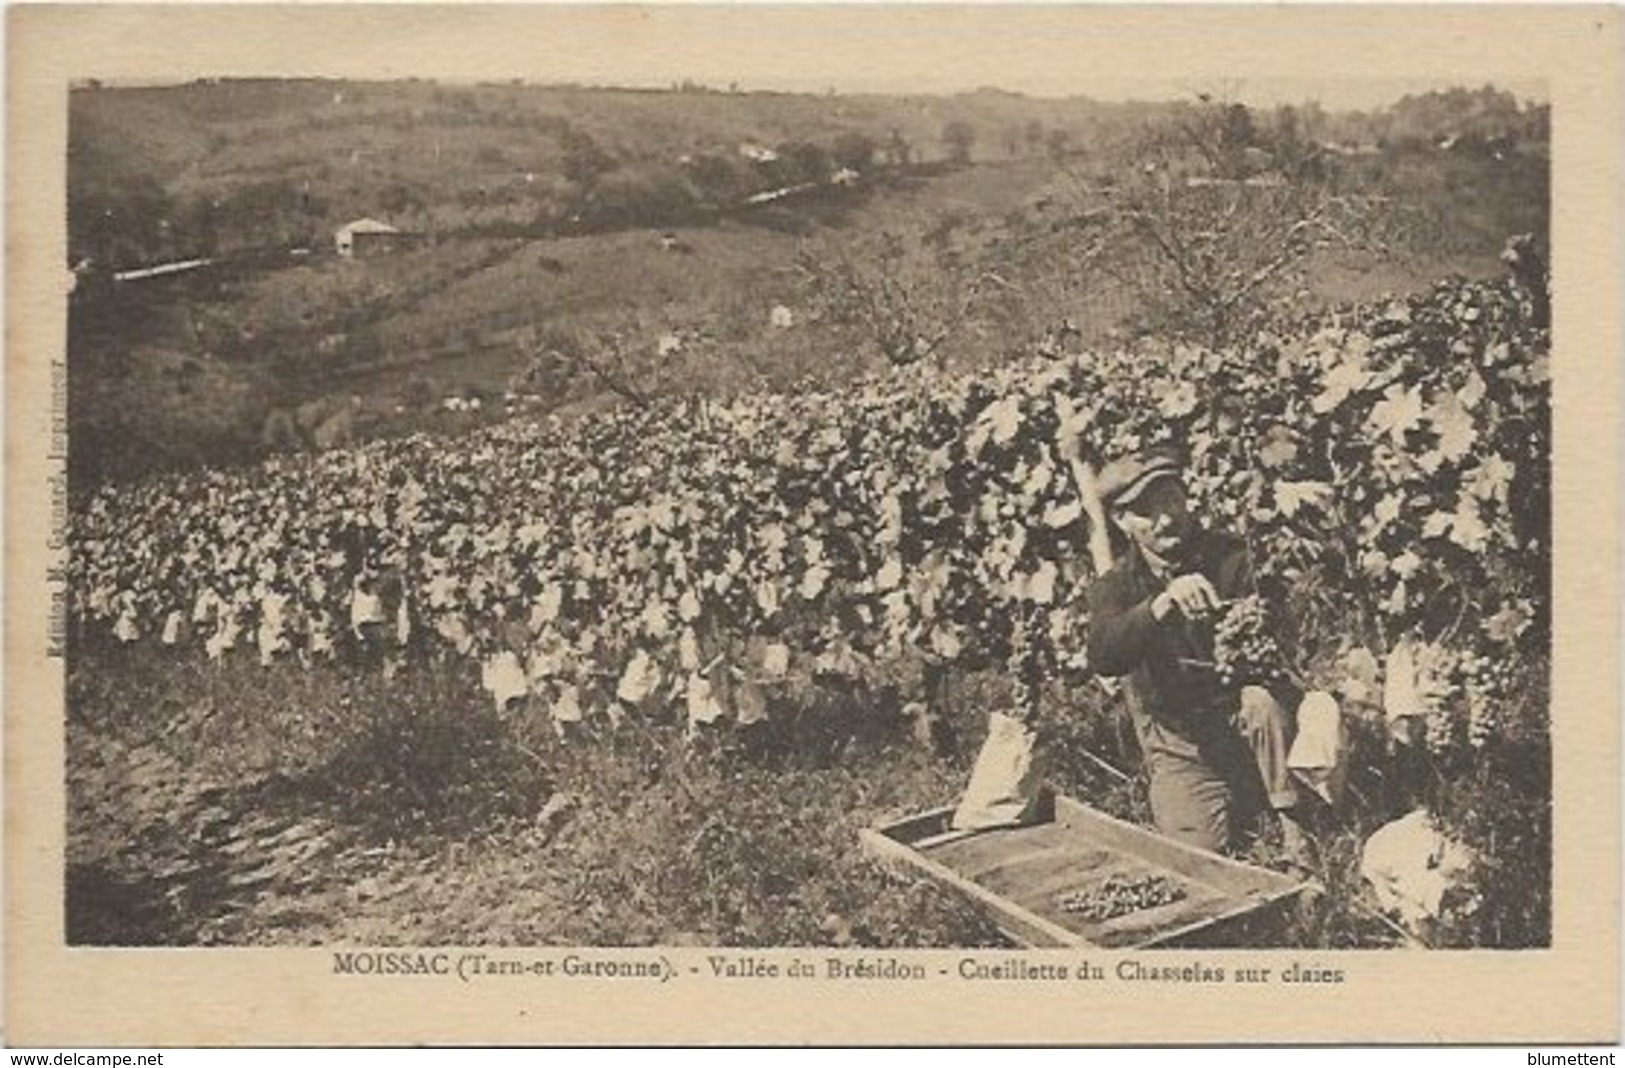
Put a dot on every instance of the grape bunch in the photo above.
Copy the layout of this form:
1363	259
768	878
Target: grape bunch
1437	682
1245	652
1440	725
1485	682
1120	895
1029	654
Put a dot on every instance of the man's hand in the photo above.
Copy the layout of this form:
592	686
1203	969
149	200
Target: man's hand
1193	595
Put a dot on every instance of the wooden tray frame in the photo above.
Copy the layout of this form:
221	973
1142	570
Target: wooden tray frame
1264	897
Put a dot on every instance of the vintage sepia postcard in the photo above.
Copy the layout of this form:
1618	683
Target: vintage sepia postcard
812	524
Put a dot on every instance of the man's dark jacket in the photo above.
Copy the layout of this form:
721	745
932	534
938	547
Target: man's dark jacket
1179	696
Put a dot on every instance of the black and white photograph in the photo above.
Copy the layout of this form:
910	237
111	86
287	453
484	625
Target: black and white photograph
776	491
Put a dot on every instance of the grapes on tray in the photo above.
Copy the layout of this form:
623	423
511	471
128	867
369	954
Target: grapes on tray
1120	895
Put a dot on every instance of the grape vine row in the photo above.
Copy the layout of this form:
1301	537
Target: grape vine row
1389	465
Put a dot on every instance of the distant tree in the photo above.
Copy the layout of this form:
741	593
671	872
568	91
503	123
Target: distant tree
584	161
1294	153
910	298
958	136
1011	139
267	213
899	153
1426	118
113	205
854	150
1537	123
1211	261
398	198
1238	131
1312	122
197	227
625	357
805	161
1236	135
641	196
1286	138
1058	142
718	179
1034	135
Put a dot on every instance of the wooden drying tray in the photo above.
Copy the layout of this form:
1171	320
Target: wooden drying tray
1021	875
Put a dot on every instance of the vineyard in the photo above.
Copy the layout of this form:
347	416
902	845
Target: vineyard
680	576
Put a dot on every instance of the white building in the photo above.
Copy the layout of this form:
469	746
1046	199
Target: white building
366	237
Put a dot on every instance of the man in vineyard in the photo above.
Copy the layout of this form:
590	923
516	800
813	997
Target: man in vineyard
1215	752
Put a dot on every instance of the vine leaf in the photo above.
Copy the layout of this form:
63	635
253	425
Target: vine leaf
1399	412
1179	402
1491	480
1465	526
1454	425
1342	381
1279	448
1291	497
1386	511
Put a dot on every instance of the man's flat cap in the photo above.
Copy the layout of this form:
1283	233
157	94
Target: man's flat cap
1121	481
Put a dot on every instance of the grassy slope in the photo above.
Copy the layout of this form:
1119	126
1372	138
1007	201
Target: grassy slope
230	804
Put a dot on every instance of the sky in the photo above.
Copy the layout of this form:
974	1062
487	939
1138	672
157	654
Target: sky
1341	58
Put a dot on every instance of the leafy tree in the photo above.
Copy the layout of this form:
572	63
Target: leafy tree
197	226
1034	135
1207	256
899	153
910	297
1058	142
398	199
641	196
855	150
1236	135
114	202
718	179
805	161
1011	139
583	159
958	137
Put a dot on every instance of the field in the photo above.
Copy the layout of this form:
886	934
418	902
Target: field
817	363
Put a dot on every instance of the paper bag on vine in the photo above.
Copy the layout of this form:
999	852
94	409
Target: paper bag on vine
1005	784
1320	749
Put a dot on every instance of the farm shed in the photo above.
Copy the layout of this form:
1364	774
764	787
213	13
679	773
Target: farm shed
369	237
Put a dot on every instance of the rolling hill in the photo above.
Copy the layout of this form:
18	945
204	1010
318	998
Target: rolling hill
543	208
